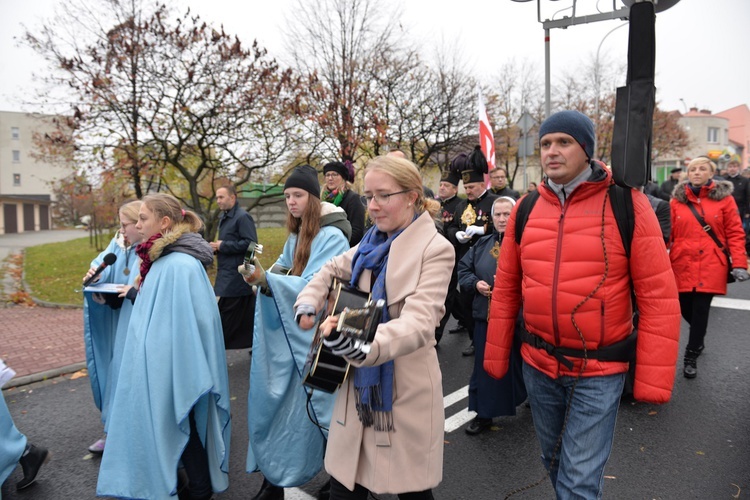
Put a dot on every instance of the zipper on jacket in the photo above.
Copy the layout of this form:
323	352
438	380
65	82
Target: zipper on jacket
556	273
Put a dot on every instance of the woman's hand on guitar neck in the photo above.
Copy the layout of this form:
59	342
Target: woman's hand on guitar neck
329	325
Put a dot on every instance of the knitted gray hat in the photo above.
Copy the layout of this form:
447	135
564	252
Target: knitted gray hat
575	124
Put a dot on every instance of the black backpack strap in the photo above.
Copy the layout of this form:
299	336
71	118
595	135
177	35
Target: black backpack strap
525	206
622	206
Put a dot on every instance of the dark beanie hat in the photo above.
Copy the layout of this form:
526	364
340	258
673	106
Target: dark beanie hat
575	124
339	168
304	177
675	170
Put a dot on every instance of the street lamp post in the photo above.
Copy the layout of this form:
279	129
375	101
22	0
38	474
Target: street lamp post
598	82
621	13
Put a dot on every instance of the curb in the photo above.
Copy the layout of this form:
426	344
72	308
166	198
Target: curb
38	377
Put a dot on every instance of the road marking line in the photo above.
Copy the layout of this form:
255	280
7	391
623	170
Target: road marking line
455	397
723	302
296	494
463	417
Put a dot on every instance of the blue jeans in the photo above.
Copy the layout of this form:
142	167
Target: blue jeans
578	468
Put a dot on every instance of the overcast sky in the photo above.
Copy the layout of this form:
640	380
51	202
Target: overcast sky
701	53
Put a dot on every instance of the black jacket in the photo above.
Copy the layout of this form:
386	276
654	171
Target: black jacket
506	191
482	216
355	214
741	193
236	232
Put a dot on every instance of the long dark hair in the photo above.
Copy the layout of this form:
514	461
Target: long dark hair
306	228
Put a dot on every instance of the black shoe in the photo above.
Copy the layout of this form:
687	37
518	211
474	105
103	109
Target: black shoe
469	351
269	491
31	461
478	426
691	363
458	329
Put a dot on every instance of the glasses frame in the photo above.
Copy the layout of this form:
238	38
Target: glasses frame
380	199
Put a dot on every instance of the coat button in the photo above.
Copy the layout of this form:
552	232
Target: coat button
700	251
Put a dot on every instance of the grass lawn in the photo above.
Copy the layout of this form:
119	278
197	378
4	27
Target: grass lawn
54	271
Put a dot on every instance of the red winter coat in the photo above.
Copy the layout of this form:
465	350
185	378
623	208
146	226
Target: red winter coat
560	262
697	261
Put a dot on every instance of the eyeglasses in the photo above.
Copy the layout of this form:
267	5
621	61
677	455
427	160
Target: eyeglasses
331	175
381	199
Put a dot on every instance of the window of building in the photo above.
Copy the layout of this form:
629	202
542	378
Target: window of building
16	156
713	135
16	179
15	133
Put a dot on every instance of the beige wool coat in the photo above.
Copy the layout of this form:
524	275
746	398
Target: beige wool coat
410	457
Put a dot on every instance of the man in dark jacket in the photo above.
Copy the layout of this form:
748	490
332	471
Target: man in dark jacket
236	299
741	195
499	184
665	192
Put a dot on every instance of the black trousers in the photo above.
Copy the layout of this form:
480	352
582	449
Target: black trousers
195	461
340	492
694	307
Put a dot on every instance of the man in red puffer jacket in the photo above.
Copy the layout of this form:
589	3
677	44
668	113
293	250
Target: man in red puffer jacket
573	278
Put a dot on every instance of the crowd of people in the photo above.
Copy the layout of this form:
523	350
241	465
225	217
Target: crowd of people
547	286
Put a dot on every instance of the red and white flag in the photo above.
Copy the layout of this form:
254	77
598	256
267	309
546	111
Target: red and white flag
486	139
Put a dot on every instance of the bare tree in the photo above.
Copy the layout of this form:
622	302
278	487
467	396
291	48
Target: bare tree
185	105
514	91
95	52
339	45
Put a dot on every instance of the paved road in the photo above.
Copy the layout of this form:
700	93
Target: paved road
696	447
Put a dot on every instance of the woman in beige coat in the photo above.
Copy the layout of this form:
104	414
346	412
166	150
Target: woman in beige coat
402	258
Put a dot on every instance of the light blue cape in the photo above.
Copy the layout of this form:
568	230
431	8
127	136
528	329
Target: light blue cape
285	445
173	360
100	324
12	443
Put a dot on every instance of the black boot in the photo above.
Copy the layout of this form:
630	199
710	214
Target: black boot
31	461
691	363
269	491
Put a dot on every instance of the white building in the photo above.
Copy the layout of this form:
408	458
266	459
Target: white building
25	183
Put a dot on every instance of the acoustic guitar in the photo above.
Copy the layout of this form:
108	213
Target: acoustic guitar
359	318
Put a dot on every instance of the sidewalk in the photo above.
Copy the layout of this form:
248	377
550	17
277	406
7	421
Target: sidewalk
38	342
41	342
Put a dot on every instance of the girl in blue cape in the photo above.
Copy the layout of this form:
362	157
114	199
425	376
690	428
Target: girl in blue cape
14	447
171	404
286	445
104	320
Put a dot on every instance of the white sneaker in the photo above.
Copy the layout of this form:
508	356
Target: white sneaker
98	447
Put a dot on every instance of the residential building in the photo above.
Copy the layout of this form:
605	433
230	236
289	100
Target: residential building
718	136
25	182
739	131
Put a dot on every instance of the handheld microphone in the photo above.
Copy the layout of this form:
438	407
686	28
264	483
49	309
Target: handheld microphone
109	259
